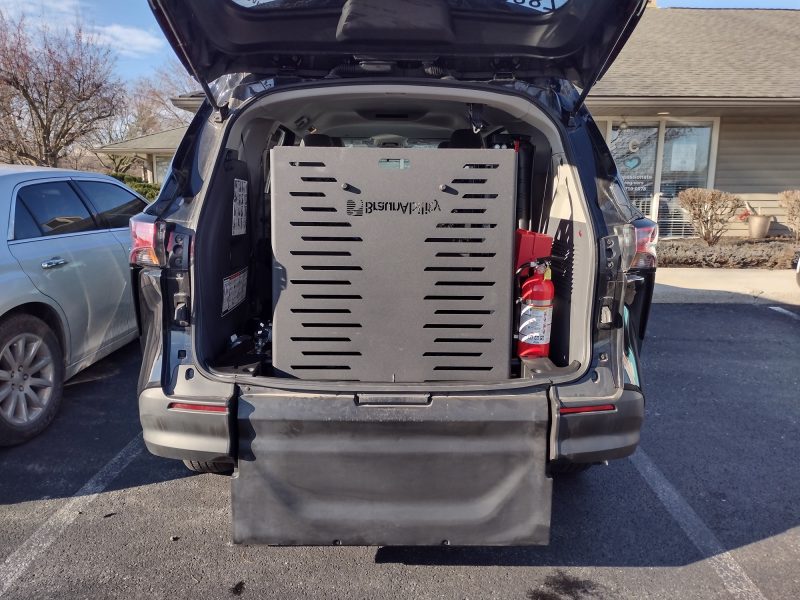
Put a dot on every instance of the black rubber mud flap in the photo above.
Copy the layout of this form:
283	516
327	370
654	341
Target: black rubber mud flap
323	470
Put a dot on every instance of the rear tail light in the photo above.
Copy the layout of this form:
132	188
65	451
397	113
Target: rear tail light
201	408
646	241
576	410
148	241
639	241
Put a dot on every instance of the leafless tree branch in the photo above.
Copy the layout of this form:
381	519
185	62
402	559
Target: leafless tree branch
57	88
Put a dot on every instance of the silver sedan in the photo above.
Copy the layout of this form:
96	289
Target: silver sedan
65	294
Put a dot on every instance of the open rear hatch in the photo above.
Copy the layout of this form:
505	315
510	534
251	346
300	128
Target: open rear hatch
373	464
574	40
384	469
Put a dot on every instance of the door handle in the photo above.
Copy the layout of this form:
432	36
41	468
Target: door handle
54	262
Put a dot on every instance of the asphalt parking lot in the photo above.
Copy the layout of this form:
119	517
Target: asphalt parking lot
708	508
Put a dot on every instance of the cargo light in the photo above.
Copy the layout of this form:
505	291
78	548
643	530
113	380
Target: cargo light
204	408
572	410
147	241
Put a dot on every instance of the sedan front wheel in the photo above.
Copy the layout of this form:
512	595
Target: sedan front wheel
31	378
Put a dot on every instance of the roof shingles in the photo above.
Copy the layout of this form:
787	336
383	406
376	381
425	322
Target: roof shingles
154	142
709	53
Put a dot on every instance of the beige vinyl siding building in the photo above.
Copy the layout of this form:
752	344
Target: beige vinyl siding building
706	98
757	159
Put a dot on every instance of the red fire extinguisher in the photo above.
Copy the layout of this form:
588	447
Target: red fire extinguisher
535	311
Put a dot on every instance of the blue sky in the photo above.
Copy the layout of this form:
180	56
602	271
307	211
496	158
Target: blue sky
129	28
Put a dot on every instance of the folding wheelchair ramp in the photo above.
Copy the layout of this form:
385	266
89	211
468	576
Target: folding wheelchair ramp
393	265
330	469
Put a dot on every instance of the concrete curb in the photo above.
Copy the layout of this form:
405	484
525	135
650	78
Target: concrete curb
726	286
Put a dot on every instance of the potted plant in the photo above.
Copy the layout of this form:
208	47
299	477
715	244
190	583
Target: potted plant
757	224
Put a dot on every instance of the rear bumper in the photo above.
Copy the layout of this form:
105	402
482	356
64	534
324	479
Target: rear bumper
183	435
597	437
579	438
322	470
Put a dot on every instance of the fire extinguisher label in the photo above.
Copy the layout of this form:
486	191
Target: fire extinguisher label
536	322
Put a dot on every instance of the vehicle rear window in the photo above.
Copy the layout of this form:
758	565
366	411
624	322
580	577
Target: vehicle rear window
25	227
535	6
56	208
114	204
516	6
407	143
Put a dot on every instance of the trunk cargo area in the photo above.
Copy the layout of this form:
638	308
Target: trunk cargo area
369	314
382	258
331	470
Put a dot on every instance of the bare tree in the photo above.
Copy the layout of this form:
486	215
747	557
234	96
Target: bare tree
112	131
136	117
139	114
57	87
147	109
168	82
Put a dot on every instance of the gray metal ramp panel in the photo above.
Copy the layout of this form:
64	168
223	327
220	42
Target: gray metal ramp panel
392	264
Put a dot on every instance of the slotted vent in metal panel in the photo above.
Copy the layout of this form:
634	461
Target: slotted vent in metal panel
393	265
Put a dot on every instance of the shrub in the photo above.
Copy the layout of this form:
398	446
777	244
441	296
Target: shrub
148	190
730	253
140	186
710	211
127	178
790	200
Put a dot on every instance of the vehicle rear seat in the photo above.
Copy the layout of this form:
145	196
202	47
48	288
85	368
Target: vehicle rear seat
320	140
465	139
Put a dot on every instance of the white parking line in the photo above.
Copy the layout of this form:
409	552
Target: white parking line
783	311
729	571
16	564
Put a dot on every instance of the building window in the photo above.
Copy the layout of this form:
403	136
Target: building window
635	148
657	159
687	152
161	165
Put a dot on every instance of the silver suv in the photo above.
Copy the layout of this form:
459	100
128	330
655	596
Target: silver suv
393	281
65	294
